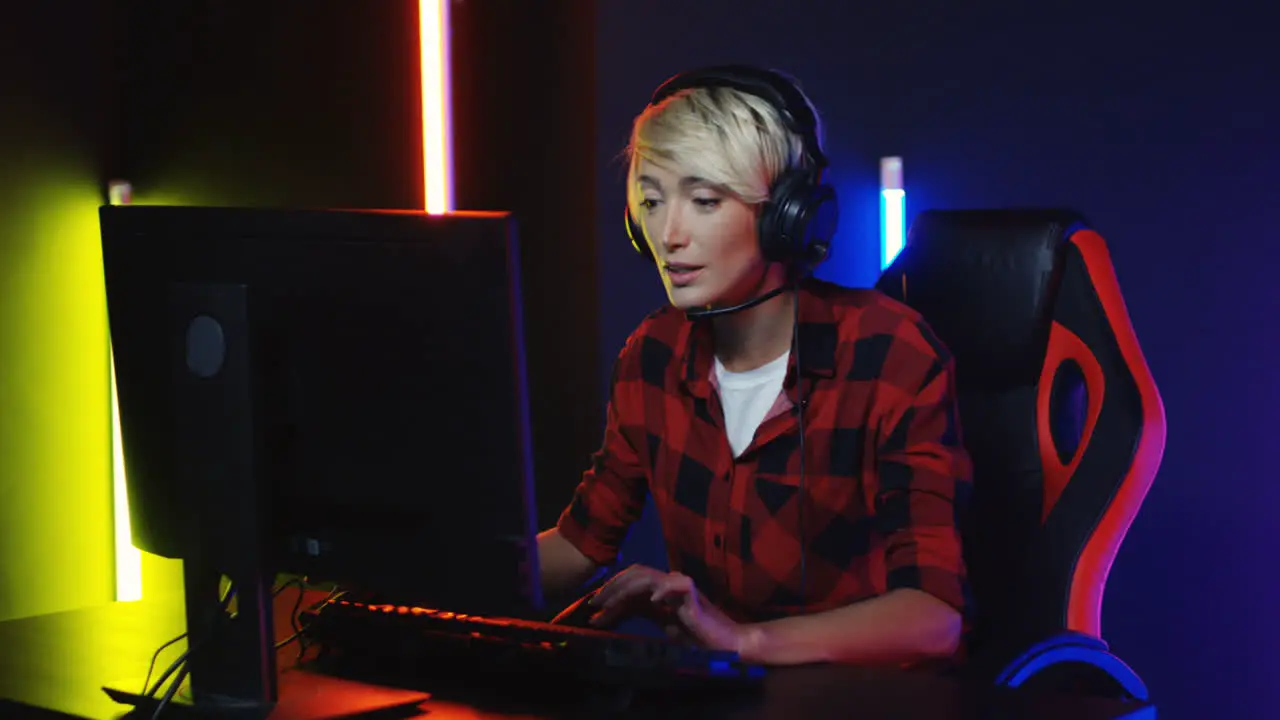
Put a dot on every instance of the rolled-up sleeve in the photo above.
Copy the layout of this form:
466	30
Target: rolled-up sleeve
924	472
612	492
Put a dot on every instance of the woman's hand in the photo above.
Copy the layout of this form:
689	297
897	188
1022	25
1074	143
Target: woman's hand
672	600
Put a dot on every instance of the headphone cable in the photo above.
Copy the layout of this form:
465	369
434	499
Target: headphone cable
802	407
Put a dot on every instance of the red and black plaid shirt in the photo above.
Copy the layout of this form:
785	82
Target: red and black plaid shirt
885	475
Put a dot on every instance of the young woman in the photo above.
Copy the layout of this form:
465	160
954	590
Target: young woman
799	439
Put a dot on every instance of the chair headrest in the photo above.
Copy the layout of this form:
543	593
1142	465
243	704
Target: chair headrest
986	280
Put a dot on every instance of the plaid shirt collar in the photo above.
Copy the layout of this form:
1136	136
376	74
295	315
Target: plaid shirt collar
818	340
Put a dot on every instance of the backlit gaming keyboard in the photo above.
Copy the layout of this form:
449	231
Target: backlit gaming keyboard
412	636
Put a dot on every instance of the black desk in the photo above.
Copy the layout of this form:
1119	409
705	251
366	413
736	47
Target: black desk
60	662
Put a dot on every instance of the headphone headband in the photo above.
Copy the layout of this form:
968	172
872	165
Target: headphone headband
769	85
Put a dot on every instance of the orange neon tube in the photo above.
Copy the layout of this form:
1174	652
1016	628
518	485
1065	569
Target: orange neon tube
437	140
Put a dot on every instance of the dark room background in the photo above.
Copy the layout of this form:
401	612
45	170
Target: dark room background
1155	122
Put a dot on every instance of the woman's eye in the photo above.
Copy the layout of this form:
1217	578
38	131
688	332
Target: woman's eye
707	203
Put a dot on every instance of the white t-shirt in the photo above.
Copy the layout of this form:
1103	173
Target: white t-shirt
747	397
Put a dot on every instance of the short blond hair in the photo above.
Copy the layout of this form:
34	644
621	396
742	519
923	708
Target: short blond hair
722	135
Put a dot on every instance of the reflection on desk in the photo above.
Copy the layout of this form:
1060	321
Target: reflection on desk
61	662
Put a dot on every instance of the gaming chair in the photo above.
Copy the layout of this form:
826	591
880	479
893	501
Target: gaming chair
1064	424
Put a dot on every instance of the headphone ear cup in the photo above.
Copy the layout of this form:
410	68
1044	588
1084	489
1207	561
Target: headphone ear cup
822	218
799	222
636	234
781	221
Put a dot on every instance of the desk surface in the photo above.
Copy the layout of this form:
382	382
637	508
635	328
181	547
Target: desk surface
61	662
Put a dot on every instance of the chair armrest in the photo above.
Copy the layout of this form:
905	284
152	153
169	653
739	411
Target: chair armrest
1075	663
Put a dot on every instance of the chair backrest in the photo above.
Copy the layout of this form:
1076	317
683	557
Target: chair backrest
1057	405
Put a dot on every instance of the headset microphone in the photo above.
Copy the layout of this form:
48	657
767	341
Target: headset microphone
818	253
710	312
716	312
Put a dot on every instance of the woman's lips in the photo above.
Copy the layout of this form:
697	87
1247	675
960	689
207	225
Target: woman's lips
682	275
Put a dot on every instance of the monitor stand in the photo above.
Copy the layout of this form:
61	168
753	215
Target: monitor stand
232	659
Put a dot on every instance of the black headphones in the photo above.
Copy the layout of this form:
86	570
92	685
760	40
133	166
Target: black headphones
799	219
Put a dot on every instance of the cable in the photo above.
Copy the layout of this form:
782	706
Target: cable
804	403
151	668
177	666
223	604
299	633
173	690
180	665
293	623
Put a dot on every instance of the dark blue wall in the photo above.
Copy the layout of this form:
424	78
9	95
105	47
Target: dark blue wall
1161	127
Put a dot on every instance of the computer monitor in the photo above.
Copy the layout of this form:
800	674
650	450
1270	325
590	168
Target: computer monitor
334	393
